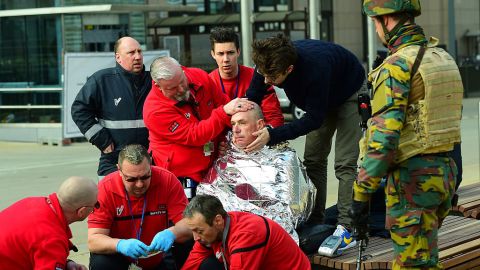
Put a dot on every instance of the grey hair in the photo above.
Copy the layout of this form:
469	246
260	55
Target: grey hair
257	111
134	154
164	67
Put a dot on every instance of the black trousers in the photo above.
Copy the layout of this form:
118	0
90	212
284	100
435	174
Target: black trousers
181	251
119	262
211	263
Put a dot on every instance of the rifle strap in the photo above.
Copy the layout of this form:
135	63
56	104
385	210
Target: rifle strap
417	62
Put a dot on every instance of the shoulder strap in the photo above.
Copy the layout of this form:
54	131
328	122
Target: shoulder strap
418	60
264	243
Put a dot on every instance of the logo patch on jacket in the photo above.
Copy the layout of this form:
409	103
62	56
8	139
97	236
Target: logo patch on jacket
187	115
173	126
117	100
162	210
59	266
119	210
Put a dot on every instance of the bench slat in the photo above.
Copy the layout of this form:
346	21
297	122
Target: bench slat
470	205
460	248
468	201
460	259
457	237
472	265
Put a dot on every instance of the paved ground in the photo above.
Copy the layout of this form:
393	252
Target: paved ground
28	169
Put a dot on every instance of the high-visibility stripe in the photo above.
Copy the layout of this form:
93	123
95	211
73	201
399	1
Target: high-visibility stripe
92	131
122	124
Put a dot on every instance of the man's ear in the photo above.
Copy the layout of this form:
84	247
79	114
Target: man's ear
388	21
81	212
290	69
260	124
212	53
218	221
117	57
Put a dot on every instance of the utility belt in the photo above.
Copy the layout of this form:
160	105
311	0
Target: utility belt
189	186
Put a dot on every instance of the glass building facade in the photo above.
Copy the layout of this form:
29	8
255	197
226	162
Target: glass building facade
29	65
31	54
32	46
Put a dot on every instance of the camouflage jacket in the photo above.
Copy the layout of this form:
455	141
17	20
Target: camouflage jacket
387	122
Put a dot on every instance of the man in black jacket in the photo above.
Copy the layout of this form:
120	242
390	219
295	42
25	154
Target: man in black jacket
108	110
323	79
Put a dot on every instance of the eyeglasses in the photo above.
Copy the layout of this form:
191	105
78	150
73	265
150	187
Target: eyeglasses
95	206
131	179
270	78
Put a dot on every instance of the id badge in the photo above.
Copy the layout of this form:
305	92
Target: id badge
133	266
208	148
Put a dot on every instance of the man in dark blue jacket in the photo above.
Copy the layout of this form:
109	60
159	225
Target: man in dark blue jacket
322	79
108	110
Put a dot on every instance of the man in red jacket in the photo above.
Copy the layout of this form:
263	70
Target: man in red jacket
35	231
233	79
185	114
138	203
238	240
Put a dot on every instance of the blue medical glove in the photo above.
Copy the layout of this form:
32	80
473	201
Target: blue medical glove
162	241
132	248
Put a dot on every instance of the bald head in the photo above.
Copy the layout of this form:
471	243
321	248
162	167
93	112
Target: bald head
76	192
251	116
128	53
257	112
244	124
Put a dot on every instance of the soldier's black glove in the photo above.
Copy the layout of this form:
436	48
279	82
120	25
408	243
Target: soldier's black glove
359	215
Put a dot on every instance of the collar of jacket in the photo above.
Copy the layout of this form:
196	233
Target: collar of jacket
130	75
408	34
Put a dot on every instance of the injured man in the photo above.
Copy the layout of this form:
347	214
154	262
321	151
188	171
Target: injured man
271	182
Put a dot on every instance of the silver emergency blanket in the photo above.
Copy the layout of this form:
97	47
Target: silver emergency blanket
271	182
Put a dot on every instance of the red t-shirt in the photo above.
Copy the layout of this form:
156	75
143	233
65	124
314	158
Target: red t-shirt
238	86
34	234
165	201
177	136
253	243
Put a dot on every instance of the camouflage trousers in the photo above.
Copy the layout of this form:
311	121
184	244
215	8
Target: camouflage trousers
418	196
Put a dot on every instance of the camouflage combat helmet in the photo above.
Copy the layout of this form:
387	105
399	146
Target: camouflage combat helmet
382	7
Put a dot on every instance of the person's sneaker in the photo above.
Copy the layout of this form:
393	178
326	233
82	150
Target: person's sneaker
347	239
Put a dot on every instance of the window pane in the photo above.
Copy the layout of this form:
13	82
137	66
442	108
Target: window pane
28	55
30	116
17	4
32	98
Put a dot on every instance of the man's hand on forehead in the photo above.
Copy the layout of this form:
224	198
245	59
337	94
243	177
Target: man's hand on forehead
238	105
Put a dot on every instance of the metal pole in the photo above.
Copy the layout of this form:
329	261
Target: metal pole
314	18
451	30
372	43
246	21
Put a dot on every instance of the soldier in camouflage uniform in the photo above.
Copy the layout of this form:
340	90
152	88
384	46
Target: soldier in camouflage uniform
416	112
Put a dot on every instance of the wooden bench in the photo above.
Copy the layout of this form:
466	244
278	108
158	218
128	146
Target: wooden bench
468	201
459	245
